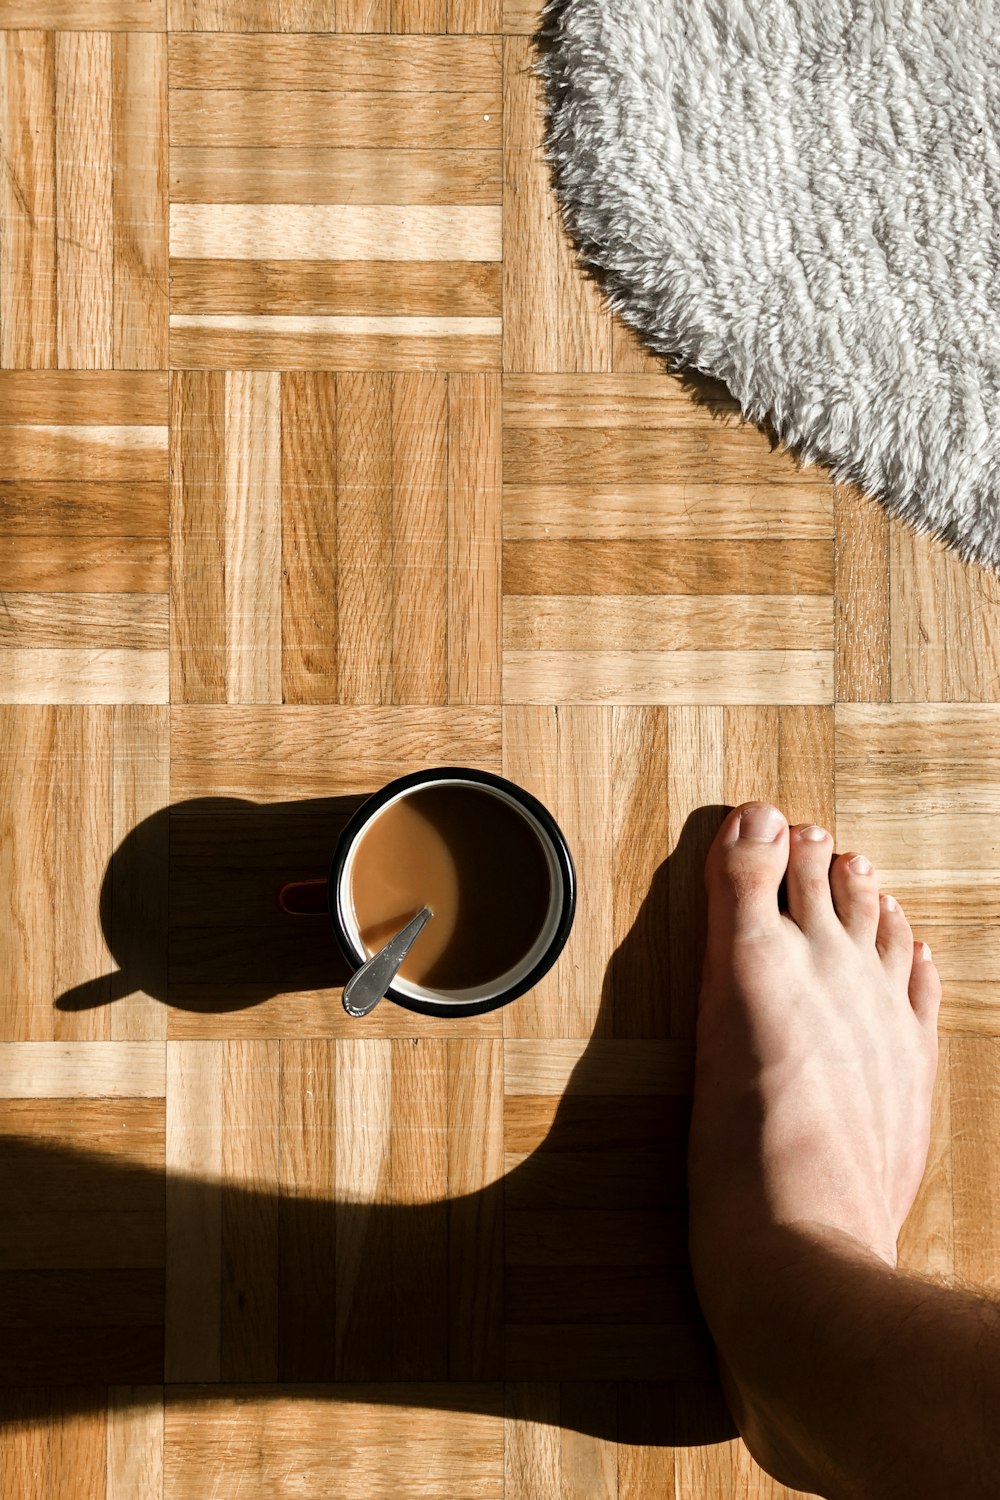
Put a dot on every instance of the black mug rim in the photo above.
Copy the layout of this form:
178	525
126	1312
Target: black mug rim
457	1008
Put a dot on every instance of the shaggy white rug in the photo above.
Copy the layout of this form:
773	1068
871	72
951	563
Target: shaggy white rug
802	199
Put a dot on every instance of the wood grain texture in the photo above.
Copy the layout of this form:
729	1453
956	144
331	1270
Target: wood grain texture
945	624
28	271
554	318
310	174
84	217
193	1251
139	135
310	421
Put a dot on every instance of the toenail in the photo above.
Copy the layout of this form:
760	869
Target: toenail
762	822
889	902
813	833
927	951
860	865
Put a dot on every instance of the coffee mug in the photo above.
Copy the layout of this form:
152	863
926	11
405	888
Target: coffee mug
332	896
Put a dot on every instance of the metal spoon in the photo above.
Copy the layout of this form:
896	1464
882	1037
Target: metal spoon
366	987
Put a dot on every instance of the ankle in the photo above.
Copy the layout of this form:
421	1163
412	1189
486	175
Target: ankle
742	1281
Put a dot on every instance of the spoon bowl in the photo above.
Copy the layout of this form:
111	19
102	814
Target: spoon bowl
368	985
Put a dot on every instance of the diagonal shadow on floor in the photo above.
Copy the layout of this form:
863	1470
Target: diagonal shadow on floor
571	1267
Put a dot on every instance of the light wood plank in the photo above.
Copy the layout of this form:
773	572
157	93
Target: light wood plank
194	1166
618	1068
317	231
82	675
322	751
531	1440
252	15
139	126
432	64
345	1446
419	1162
65	510
82	846
78	1440
474	539
975	1117
945	623
210	345
136	622
306	1216
665	622
598	401
660	452
363	1143
309	537
674	677
554	317
682	507
806	764
106	398
927	1239
645	1468
475	15
588	1460
135	1442
530	759
420	15
695	787
521	16
234	117
87	565
100	452
421	572
364	537
365	288
636	984
584	816
84	224
299	174
86	15
249	1230
476	1210
28	275
141	788
862	598
197	538
751	754
81	1070
28	774
684	566
252	537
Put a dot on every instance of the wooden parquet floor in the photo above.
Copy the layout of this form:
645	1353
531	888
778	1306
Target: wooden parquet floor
322	462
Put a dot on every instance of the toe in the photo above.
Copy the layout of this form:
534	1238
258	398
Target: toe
894	939
925	987
855	895
744	868
810	905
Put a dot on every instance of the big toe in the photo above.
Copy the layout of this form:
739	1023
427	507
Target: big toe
744	869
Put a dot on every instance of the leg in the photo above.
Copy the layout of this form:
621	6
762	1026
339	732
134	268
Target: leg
816	1052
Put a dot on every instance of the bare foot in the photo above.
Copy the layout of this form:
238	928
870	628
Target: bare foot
816	1050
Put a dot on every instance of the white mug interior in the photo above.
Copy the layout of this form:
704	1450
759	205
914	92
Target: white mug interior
493	987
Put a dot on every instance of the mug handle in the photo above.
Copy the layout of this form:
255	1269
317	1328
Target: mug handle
304	898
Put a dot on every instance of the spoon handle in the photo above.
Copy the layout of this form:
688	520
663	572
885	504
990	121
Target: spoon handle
366	987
